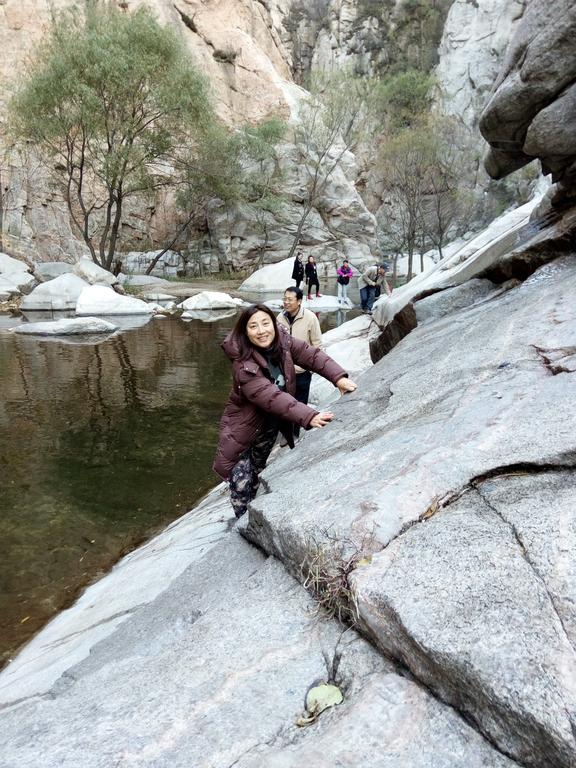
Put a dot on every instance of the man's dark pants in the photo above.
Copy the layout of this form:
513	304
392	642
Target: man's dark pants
367	296
302	392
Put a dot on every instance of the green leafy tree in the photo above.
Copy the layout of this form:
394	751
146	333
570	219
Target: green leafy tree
401	100
235	167
110	101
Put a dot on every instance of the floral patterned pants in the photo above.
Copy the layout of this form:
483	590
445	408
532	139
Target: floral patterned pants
244	480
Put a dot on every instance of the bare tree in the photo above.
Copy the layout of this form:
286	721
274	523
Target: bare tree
332	122
404	166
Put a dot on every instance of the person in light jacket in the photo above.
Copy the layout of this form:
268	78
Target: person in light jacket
368	281
302	324
262	402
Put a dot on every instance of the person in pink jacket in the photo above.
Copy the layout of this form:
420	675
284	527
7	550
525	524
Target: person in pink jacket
344	274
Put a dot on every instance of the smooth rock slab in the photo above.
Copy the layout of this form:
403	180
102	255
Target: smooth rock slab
211	300
58	294
456	600
9	265
452	299
392	723
101	300
68	326
208	315
453	401
215	670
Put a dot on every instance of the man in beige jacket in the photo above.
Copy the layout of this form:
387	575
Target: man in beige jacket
302	324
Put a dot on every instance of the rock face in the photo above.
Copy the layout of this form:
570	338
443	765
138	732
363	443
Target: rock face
533	103
339	226
250	52
457	502
474	42
219	665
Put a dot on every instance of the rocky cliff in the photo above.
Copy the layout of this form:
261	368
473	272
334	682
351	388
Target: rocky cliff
531	112
253	52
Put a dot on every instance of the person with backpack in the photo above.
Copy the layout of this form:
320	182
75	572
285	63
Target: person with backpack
373	278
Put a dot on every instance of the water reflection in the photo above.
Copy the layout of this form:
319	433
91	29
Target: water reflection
100	444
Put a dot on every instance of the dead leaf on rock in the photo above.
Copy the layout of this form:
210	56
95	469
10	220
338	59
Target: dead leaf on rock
318	699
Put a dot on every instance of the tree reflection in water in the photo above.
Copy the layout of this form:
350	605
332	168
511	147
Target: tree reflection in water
100	445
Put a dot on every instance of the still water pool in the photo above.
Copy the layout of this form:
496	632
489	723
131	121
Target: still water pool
102	443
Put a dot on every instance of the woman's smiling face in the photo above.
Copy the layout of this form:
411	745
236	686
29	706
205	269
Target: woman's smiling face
260	330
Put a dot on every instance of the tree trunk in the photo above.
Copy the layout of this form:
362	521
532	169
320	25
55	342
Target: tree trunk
158	256
115	229
296	241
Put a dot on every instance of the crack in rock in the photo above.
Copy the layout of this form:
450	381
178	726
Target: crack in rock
526	555
558	360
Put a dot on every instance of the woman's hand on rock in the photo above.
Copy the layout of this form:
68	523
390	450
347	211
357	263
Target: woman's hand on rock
321	419
346	385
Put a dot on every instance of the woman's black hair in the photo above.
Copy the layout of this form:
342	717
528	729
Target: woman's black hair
240	336
310	256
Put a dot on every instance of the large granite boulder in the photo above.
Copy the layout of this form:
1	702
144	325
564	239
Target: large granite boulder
60	293
533	102
450	300
102	300
69	326
93	273
447	480
17	273
215	671
48	270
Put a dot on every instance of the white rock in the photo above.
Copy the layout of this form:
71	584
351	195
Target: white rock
138	280
48	270
94	274
208	315
102	300
9	265
349	346
8	289
272	277
465	263
24	281
58	294
68	326
326	303
211	300
155	296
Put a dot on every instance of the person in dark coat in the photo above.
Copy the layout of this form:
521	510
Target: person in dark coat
262	403
298	269
312	277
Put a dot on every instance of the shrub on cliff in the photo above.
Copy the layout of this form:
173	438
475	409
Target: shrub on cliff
109	101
